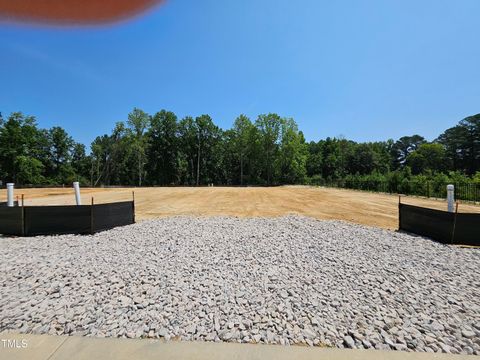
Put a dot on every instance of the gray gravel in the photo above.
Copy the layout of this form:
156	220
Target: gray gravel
289	280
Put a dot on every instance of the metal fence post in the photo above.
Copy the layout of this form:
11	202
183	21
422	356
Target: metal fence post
92	230
454	222
399	212
133	206
23	220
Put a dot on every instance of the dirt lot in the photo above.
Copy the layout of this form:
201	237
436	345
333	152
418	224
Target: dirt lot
322	203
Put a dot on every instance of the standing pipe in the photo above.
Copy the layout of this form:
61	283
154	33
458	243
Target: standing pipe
450	197
10	202
76	186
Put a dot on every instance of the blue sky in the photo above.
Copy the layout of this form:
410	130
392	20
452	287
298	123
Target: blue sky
363	69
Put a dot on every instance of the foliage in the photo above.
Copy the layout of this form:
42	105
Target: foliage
403	147
29	170
29	155
163	150
462	145
137	124
428	157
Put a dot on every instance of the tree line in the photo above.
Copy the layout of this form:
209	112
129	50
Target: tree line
161	150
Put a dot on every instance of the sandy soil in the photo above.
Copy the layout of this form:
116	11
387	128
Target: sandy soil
359	207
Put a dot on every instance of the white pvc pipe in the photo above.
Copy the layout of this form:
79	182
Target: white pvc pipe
10	201
450	197
76	186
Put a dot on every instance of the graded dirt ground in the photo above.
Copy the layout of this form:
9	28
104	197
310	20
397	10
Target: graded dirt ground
359	207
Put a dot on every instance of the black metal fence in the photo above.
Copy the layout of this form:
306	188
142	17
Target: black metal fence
69	219
429	189
442	226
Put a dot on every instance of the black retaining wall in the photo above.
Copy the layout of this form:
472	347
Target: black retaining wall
70	219
442	226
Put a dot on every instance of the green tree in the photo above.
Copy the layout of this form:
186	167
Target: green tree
19	137
403	147
453	140
29	170
314	159
80	163
162	153
476	178
335	154
101	160
462	144
292	158
269	127
187	133
61	145
363	160
207	137
159	150
242	142
428	157
138	121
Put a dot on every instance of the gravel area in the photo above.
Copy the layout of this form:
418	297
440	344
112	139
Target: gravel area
288	280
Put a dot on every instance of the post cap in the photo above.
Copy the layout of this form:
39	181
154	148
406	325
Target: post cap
450	187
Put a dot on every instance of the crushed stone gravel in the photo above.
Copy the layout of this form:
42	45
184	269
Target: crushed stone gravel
286	280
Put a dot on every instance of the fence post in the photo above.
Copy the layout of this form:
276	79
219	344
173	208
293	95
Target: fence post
454	222
91	218
399	212
23	220
133	206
